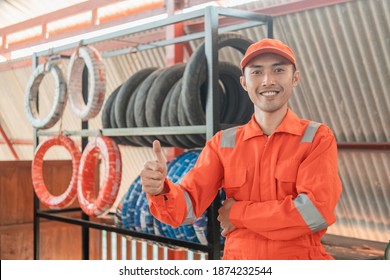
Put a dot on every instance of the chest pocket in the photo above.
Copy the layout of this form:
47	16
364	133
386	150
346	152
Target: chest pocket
286	171
235	179
286	178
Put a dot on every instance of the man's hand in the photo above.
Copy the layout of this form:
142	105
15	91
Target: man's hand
154	172
223	216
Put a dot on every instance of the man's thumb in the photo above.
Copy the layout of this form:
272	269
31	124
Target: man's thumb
158	151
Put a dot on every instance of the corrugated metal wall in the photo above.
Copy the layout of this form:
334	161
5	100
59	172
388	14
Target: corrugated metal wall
343	55
344	59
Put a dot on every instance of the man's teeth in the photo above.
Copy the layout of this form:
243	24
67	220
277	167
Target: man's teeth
269	93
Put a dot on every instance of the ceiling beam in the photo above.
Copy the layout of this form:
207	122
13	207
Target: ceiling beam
8	143
141	11
57	15
71	32
298	6
93	24
275	10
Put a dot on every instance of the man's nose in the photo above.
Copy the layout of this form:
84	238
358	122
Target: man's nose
267	80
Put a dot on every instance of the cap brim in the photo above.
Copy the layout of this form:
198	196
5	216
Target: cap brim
257	52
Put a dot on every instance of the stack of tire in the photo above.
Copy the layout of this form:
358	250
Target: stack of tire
133	211
175	96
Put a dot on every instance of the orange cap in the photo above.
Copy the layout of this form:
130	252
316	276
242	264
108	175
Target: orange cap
268	46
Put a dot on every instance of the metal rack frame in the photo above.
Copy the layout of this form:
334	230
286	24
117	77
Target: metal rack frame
211	17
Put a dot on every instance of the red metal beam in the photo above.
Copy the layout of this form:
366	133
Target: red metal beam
18	142
59	14
298	6
340	145
174	54
363	146
8	143
274	11
126	16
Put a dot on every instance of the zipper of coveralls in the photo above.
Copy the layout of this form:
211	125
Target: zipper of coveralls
266	249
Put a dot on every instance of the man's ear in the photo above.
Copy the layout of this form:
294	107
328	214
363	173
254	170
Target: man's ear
296	78
243	82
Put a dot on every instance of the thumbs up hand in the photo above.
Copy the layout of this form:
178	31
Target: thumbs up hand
154	172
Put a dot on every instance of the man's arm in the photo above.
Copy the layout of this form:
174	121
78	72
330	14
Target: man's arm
224	216
166	200
175	204
154	172
319	188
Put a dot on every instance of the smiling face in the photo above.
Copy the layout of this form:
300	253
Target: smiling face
269	80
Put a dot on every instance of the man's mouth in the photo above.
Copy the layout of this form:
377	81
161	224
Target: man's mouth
269	93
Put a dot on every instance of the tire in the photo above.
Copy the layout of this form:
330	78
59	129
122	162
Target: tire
107	108
169	117
198	140
140	109
89	57
142	95
125	100
158	93
177	117
118	139
239	107
226	79
113	124
130	122
125	93
31	96
192	76
107	114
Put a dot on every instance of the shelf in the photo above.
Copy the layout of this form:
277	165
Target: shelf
244	15
134	131
107	223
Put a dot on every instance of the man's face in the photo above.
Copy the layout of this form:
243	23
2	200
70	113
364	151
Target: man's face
269	80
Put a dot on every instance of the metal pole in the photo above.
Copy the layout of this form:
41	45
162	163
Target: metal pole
270	27
212	117
35	61
84	142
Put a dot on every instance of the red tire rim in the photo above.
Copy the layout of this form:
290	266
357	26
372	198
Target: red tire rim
66	198
109	187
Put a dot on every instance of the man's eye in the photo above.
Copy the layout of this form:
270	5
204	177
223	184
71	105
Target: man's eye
256	72
279	70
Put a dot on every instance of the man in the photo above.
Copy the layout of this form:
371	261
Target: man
279	172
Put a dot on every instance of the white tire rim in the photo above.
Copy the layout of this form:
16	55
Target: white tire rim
31	96
89	57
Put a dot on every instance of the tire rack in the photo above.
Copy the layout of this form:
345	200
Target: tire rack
210	33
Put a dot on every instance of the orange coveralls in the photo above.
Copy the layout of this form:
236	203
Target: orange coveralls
286	189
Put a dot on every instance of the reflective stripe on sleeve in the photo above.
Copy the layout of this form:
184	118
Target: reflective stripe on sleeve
310	132
310	213
228	138
190	218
